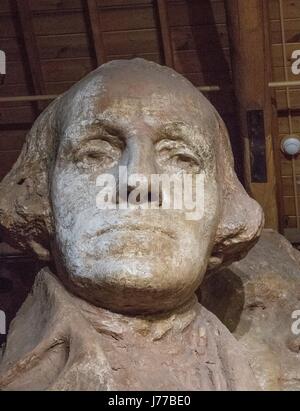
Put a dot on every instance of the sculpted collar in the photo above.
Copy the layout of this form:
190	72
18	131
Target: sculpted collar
60	342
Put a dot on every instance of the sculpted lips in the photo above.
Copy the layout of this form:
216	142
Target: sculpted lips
138	228
132	241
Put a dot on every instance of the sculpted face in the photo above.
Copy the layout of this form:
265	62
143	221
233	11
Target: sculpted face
153	122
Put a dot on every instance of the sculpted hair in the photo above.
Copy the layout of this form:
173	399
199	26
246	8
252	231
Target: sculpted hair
242	218
25	211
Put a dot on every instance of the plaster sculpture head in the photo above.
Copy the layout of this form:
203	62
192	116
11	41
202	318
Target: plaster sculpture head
152	120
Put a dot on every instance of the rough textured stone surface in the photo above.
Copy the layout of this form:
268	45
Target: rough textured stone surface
255	298
77	346
138	261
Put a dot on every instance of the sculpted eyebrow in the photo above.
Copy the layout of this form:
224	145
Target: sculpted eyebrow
180	131
176	131
98	130
110	129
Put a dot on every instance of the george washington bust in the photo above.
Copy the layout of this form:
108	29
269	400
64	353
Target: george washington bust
120	312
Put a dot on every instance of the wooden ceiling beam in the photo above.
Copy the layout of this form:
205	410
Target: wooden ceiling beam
165	32
31	48
95	27
251	68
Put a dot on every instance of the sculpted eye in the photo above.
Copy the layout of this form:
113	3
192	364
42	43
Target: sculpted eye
178	156
184	162
185	158
97	153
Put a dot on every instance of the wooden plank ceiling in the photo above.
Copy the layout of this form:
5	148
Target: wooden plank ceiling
51	44
291	25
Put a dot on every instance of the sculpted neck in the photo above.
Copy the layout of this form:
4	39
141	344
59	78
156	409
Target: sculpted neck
154	327
119	326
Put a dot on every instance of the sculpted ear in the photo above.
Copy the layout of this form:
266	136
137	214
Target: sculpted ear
25	217
242	217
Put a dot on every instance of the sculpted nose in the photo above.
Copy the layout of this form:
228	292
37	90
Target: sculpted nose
141	164
141	158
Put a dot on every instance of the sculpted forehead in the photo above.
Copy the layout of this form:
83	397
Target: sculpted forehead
123	91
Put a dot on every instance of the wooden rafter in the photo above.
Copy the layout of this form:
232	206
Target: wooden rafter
251	68
31	48
165	32
95	25
206	89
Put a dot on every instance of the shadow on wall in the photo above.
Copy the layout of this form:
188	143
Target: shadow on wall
224	297
17	274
